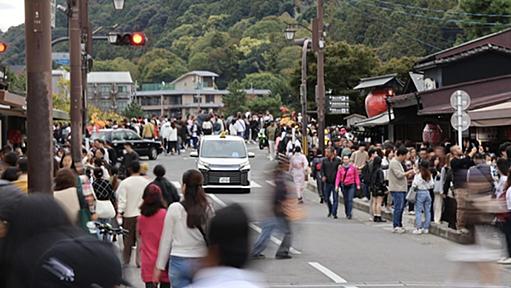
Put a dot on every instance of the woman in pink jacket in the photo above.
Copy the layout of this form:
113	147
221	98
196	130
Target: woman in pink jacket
347	180
150	227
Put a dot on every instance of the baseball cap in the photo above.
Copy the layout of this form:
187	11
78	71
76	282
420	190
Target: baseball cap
79	262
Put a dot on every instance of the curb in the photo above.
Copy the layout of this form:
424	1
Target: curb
435	229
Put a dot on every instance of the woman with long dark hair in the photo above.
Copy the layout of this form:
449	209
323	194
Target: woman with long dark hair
377	188
183	239
422	183
149	228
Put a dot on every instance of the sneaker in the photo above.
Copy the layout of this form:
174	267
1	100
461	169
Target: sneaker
258	256
505	261
401	230
329	215
321	201
365	199
335	217
425	231
411	212
283	256
417	231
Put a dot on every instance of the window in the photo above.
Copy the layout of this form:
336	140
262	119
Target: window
210	98
223	149
122	88
118	135
175	100
197	99
130	135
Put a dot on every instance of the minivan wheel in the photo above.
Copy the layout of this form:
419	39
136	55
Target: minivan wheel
153	154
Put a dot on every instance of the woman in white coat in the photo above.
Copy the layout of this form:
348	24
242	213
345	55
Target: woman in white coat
298	165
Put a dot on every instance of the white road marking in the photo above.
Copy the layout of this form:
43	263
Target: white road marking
254	184
328	273
271	183
253	226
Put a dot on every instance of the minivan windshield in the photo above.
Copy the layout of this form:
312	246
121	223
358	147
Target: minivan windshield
223	149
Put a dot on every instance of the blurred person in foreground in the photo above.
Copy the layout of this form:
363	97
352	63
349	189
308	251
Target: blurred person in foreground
47	250
228	252
9	199
284	210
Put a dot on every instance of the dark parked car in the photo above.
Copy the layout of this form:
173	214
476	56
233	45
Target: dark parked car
144	147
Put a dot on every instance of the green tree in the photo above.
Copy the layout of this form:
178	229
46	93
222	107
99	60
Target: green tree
236	100
133	110
117	64
266	80
478	7
160	65
61	100
263	104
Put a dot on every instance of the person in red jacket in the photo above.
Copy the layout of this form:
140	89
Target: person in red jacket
150	227
347	181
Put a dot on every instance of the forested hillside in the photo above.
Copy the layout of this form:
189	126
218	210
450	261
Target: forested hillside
243	40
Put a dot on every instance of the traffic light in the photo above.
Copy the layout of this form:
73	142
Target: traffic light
3	47
127	38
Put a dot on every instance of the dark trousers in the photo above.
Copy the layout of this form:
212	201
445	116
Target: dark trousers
506	229
449	215
348	193
169	145
130	239
320	185
329	189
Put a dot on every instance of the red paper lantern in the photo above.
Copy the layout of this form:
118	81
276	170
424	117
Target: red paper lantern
432	134
375	102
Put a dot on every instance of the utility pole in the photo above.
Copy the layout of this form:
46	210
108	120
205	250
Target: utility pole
87	40
75	55
39	101
320	89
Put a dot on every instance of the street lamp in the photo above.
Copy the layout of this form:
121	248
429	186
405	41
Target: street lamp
112	37
118	4
289	33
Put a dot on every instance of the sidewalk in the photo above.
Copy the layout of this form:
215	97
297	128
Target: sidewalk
439	230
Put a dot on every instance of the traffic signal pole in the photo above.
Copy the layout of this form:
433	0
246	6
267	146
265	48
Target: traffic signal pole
75	55
39	100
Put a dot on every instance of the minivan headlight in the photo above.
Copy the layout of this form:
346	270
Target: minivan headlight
245	166
202	165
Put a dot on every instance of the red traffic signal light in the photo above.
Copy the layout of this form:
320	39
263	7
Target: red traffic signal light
3	47
127	38
137	39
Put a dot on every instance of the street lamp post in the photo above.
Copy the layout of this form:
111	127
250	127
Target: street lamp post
289	33
320	90
303	93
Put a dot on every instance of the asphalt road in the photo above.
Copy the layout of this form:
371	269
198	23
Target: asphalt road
338	252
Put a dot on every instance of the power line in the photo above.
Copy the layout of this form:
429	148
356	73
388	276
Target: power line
392	28
457	21
446	11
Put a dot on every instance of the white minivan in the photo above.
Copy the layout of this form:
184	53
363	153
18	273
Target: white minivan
223	161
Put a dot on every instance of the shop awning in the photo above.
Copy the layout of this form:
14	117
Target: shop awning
8	98
482	92
379	120
490	116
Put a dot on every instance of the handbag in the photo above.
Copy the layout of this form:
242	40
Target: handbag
105	209
411	196
84	215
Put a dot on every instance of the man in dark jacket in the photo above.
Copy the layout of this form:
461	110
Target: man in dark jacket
329	168
129	157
